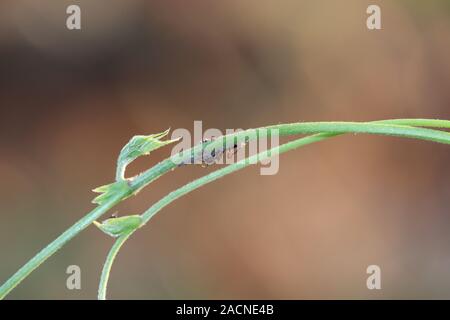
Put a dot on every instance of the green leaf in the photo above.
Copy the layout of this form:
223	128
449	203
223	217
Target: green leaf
111	190
139	146
115	227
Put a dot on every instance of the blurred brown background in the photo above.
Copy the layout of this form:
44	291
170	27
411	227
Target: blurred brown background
69	100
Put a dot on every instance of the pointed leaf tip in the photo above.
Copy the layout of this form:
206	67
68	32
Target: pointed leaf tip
109	191
116	227
138	146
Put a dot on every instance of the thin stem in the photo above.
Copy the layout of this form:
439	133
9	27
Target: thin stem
191	186
395	127
56	244
108	264
195	184
174	195
388	127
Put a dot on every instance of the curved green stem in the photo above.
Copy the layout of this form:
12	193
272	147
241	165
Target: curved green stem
56	244
195	184
108	264
407	128
147	215
400	127
174	195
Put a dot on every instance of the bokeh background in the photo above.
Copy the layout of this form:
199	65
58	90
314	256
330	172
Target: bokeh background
69	100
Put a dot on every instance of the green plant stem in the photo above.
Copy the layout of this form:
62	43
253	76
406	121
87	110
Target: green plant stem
108	264
398	127
174	195
56	244
195	184
147	215
395	127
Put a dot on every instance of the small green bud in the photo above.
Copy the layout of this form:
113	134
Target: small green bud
115	227
110	190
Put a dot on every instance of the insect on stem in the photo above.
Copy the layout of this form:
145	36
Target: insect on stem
214	156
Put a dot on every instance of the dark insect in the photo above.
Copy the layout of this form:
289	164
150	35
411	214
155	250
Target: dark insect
206	158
